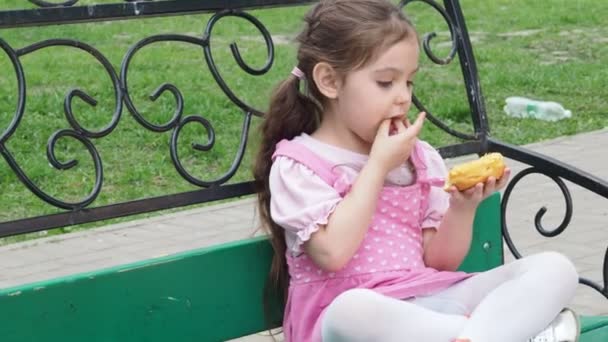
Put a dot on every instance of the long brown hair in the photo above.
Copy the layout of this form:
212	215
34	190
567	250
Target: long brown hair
346	34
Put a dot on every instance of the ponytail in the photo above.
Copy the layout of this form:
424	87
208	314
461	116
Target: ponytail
290	113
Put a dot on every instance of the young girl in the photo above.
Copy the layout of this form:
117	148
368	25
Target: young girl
364	237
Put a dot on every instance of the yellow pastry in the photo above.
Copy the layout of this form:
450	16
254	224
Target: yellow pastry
466	175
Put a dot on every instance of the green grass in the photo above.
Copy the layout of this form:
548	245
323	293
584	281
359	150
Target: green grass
554	50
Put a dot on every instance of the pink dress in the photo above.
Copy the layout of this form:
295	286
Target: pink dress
388	261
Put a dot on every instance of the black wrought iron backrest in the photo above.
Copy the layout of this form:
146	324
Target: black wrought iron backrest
84	210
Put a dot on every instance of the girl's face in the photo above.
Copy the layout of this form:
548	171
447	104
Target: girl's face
380	90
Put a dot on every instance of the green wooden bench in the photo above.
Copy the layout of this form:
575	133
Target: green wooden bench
208	294
216	293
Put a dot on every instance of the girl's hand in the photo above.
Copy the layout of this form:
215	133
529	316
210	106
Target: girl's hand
469	199
394	142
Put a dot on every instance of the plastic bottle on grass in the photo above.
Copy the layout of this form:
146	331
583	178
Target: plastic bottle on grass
522	107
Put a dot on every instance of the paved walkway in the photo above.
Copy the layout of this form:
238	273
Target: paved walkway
585	241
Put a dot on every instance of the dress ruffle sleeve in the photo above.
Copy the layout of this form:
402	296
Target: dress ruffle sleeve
300	202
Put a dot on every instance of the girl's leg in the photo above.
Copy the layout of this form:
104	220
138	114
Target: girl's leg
361	315
512	302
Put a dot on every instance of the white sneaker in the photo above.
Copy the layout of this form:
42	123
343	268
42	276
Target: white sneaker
566	327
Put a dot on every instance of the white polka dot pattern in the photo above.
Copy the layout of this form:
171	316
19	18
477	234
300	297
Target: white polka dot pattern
392	243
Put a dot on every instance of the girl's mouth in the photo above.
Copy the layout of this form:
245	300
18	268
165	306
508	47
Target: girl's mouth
393	128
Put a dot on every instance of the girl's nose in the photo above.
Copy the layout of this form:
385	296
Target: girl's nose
404	97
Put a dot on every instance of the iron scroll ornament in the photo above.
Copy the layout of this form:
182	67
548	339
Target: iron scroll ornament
426	44
85	136
178	122
602	289
77	131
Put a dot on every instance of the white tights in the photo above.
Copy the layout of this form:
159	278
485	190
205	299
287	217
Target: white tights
510	303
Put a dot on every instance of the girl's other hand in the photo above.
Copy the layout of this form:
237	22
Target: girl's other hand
394	142
470	198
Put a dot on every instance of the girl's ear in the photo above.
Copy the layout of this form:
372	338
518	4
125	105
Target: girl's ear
326	80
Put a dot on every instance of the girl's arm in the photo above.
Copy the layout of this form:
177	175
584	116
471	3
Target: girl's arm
334	244
446	247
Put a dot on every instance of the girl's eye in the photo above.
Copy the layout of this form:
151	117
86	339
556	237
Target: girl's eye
410	84
385	84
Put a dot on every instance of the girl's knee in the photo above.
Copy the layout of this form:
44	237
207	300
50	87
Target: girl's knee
347	314
353	302
355	306
558	266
